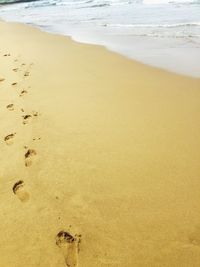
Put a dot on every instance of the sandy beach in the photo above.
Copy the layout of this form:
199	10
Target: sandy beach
100	157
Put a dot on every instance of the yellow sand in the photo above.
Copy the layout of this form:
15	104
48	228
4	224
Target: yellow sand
112	154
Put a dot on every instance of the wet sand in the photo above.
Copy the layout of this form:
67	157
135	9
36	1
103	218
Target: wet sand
99	157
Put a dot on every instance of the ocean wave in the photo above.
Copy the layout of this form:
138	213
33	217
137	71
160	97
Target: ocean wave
171	36
74	3
8	2
96	6
175	25
161	2
43	3
95	3
111	16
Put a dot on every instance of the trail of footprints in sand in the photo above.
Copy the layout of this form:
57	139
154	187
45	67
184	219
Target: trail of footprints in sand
9	139
26	118
18	188
67	243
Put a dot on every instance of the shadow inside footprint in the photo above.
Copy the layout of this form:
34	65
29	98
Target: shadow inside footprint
23	92
18	190
26	118
69	247
28	157
35	113
2	79
26	73
15	70
9	139
10	107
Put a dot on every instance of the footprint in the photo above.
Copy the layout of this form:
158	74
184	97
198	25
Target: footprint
13	84
39	138
2	79
18	190
23	92
9	139
28	157
10	107
26	118
27	73
15	70
194	237
35	113
69	248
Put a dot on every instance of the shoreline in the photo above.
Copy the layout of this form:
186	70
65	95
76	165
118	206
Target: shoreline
158	52
147	50
188	58
99	157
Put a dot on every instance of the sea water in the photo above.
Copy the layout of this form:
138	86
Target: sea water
162	33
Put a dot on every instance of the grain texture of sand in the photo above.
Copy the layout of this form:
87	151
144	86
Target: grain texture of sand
100	157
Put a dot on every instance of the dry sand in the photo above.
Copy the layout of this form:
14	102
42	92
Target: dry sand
100	157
